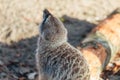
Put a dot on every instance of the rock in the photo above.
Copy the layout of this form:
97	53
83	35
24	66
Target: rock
114	77
1	63
31	76
3	75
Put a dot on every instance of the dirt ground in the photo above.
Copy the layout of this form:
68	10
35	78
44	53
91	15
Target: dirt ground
19	29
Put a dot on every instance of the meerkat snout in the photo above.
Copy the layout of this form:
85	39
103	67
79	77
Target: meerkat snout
52	29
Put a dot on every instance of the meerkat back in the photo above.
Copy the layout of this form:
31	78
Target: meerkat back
56	58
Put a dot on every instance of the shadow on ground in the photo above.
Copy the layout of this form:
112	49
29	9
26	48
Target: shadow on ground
77	29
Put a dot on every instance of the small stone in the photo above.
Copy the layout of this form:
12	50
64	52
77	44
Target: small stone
3	75
111	65
1	63
31	76
114	77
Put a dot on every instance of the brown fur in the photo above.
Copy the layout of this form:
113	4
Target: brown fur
56	58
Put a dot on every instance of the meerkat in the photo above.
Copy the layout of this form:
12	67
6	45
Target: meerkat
56	58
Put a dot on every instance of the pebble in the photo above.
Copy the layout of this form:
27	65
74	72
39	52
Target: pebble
31	76
1	63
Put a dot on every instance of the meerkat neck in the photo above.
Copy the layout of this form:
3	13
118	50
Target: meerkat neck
46	44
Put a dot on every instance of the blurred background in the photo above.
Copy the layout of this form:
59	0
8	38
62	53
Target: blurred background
19	29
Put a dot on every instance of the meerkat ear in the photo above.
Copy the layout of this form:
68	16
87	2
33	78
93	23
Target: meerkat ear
45	16
45	30
46	13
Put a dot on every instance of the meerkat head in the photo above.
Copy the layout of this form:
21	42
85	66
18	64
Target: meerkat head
52	29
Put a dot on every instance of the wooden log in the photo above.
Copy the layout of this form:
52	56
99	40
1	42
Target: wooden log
102	44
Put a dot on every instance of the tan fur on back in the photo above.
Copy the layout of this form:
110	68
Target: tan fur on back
62	63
